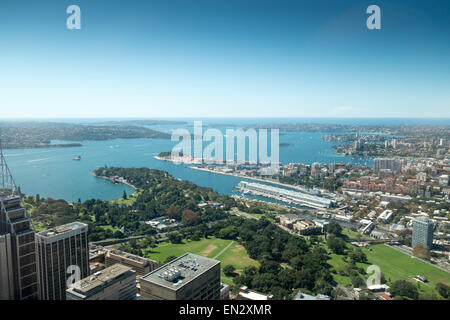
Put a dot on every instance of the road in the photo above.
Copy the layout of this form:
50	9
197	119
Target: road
242	214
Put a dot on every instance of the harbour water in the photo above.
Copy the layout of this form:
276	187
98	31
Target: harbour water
53	173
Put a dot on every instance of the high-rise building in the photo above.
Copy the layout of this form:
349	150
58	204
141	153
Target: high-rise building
6	279
394	143
189	277
58	249
384	163
423	229
117	282
18	273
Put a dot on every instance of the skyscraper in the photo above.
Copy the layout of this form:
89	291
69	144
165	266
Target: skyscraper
423	232
18	267
6	283
59	248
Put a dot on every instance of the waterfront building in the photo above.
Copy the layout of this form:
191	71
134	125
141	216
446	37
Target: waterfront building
117	282
18	266
189	277
286	195
423	229
58	249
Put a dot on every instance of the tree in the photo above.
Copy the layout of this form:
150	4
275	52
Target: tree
334	228
189	216
229	232
228	270
443	289
357	281
175	237
337	245
173	212
124	195
403	288
421	251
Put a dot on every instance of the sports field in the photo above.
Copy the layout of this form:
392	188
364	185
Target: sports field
226	251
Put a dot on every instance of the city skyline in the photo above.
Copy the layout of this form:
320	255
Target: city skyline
224	59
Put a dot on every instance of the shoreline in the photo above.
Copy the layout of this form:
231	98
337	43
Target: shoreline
251	178
235	175
135	189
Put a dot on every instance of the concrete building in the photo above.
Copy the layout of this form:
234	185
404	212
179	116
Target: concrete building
247	294
286	195
386	163
6	279
117	282
59	248
423	229
386	215
18	273
189	277
140	265
307	297
306	227
443	180
224	292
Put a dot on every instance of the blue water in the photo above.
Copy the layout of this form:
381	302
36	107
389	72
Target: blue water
53	173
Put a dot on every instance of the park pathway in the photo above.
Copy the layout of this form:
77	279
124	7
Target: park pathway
223	250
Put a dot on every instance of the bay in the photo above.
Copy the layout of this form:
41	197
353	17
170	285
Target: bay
53	173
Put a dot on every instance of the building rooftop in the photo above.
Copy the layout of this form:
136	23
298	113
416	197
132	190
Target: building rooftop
253	295
99	280
423	220
304	296
127	255
62	229
180	271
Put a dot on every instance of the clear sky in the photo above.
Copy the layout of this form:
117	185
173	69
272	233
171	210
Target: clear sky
230	58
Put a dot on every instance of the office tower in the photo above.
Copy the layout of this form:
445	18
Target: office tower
117	282
140	265
58	249
383	163
6	283
189	277
18	273
423	232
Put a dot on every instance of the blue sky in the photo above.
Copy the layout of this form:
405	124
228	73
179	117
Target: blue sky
224	58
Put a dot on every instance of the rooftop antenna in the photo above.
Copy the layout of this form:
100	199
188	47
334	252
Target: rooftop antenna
7	183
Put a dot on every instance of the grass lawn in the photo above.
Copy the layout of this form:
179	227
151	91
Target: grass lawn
396	266
130	199
235	254
256	215
109	227
399	266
